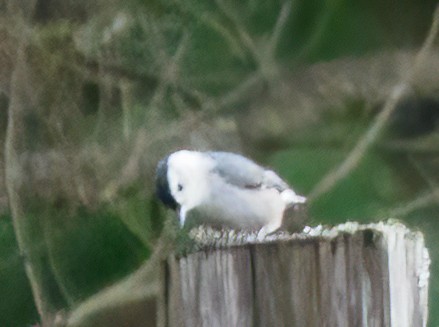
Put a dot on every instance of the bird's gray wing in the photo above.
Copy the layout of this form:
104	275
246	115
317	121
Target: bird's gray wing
242	172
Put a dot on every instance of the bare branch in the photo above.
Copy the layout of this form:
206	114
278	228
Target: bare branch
135	288
426	176
357	153
428	43
244	36
420	202
317	33
284	13
363	144
240	91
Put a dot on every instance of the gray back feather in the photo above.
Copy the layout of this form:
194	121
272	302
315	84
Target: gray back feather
242	172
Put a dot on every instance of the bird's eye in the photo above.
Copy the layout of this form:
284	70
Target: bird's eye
179	187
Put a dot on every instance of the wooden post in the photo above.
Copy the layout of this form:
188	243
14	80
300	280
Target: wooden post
349	275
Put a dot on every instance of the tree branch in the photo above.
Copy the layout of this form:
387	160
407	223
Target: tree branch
371	135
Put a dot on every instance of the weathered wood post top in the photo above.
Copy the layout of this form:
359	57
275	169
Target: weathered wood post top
348	275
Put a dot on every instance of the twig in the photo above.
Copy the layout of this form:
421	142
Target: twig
418	203
138	286
169	71
240	91
431	182
316	34
429	41
285	12
242	33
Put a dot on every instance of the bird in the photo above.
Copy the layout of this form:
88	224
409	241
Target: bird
224	189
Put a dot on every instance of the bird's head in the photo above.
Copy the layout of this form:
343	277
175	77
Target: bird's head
183	179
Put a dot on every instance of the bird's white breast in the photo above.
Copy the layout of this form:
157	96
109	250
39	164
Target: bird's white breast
236	207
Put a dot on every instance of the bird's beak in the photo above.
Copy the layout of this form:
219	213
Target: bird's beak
181	216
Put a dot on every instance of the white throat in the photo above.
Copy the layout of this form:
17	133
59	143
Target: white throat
188	177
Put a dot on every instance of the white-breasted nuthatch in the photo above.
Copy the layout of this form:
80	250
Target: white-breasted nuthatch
223	189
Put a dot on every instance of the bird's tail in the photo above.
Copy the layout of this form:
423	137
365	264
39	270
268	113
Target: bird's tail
295	213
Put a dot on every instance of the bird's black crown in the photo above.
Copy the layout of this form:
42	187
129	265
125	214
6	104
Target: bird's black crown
162	185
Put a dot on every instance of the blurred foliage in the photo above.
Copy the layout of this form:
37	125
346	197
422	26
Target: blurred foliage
18	309
88	261
115	85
